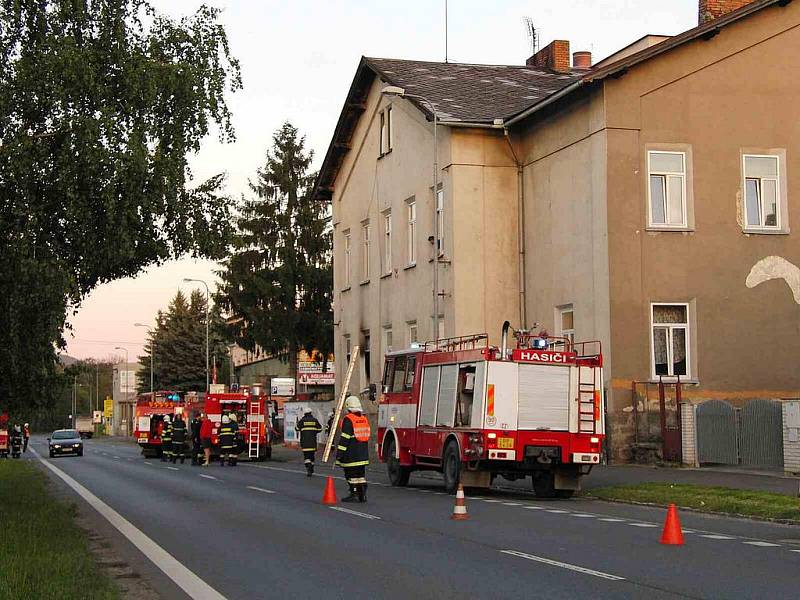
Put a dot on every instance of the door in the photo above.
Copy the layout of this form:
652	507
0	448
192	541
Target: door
501	396
716	433
761	434
426	423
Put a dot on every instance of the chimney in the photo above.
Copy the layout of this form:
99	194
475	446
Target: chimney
709	10
582	60
554	56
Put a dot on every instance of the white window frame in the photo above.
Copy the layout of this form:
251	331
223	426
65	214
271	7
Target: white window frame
566	333
440	219
388	341
778	200
348	249
670	328
387	242
365	243
666	174
411	210
411	326
385	145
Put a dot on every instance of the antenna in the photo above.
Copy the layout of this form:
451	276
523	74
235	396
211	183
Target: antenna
533	35
445	30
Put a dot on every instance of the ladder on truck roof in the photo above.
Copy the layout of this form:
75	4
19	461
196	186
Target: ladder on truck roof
254	420
588	399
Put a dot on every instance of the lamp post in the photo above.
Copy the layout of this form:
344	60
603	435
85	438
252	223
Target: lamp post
208	301
127	383
152	352
393	90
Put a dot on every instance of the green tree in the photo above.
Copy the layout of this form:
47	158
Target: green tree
179	340
101	103
277	284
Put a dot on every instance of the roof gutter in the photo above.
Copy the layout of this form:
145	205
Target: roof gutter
466	124
546	102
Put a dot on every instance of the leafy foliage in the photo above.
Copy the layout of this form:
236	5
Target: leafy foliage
101	102
179	340
277	284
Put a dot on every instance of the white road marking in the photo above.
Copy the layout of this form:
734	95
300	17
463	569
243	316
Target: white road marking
583	516
185	579
794	550
762	544
534	507
556	511
172	468
209	477
493	501
611	520
355	513
258	489
714	536
117	457
148	463
511	504
564	565
642	525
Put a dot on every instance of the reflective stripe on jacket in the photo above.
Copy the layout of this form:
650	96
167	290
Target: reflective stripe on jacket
227	436
179	432
353	448
166	435
308	427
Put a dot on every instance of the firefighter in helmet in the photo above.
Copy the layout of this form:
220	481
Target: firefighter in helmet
166	439
178	439
353	450
308	427
227	441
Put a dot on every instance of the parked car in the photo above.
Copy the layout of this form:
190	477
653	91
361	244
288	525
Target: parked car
65	441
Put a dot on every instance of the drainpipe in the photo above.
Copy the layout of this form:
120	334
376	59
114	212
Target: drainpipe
523	311
504	342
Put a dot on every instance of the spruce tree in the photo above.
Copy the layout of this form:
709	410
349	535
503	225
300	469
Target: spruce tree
277	284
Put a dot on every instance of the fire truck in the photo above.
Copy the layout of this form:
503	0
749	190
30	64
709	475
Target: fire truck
150	411
473	411
252	410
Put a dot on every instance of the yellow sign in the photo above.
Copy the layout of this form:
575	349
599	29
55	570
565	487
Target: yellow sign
108	406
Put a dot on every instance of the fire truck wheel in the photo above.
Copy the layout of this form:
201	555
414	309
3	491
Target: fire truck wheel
451	467
267	453
398	474
544	483
565	493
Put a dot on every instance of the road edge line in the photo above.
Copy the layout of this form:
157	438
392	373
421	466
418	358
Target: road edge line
563	565
183	577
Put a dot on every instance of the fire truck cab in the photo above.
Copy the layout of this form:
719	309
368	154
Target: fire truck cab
472	411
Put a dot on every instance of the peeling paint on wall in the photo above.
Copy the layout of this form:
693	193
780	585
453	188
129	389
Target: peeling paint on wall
775	267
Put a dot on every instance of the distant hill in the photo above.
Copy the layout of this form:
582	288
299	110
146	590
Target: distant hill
66	360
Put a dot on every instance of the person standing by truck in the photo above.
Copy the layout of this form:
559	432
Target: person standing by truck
178	439
166	439
26	436
353	450
206	431
227	441
308	427
197	450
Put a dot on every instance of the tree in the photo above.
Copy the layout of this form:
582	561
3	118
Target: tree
277	284
179	340
100	105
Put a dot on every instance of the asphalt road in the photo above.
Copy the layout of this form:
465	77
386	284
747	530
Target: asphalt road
261	531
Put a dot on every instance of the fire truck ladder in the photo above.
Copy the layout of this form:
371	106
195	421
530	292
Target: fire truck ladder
254	419
588	402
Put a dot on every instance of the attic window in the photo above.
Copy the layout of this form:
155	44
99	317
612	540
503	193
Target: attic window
386	131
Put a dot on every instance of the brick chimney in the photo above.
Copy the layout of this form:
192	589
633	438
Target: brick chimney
709	10
582	60
554	56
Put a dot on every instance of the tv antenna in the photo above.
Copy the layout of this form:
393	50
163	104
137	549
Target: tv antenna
533	35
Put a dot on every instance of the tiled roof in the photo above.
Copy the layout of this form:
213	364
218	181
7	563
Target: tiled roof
472	93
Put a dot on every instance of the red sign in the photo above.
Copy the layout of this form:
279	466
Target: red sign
544	356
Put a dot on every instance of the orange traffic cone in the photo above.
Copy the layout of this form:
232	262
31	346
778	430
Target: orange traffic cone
460	509
329	497
672	534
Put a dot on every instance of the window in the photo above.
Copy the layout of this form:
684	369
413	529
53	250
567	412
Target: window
566	324
667	189
387	339
466	391
365	353
430	390
411	366
347	348
445	411
387	242
388	373
440	221
412	233
365	252
412	333
670	340
399	373
386	131
347	251
761	191
441	327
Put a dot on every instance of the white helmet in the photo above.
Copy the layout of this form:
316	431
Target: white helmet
353	404
26	425
226	419
307	410
166	419
233	417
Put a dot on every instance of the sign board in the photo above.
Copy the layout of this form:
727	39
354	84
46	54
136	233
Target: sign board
543	356
282	386
97	417
216	388
292	412
328	378
108	408
311	372
127	382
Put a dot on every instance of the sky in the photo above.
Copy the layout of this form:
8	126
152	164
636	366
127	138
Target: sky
298	59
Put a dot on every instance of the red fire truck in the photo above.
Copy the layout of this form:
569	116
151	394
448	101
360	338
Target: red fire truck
472	411
252	410
150	411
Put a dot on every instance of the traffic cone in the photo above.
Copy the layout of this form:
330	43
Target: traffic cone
460	509
672	534
329	497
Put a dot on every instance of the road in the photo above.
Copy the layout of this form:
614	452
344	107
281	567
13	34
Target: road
261	531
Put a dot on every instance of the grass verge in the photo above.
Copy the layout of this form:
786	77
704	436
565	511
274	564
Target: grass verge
764	505
43	553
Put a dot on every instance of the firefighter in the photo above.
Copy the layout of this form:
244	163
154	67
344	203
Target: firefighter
178	439
26	436
227	441
166	440
197	450
353	450
309	428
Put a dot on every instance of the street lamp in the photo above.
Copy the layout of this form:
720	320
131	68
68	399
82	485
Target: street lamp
75	386
393	90
208	301
127	383
152	352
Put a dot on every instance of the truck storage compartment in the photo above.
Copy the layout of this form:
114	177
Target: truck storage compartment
544	396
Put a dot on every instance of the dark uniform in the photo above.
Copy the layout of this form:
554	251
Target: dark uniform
178	440
197	450
166	441
309	428
227	443
353	454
